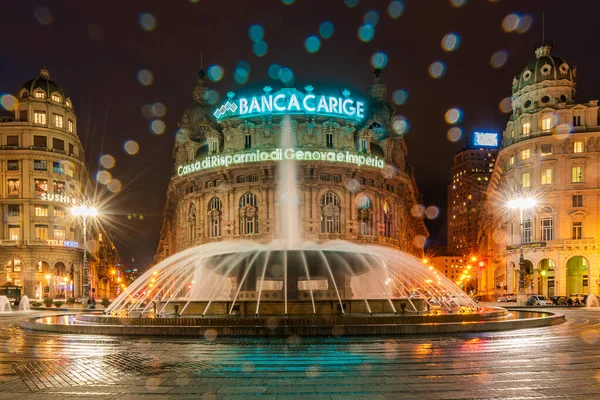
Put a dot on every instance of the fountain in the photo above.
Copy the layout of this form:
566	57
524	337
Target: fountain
592	301
24	304
4	304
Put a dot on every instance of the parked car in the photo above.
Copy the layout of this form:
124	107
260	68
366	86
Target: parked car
503	298
537	300
559	300
577	299
507	298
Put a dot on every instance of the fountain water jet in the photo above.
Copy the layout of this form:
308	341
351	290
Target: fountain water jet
4	304
24	303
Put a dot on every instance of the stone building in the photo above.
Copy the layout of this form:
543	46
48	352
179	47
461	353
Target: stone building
352	177
43	175
550	151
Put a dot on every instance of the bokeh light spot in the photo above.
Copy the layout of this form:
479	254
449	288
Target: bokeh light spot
114	185
432	212
505	105
417	211
107	161
454	134
510	22
8	101
524	24
326	30
159	109
43	15
371	18
437	69
458	3
453	116
157	127
287	76
395	8
400	97
215	73
147	21
131	147
274	71
400	125
241	73
256	32
379	60
287	2
145	77
419	241
312	44
450	42
260	48
499	58
211	96
103	177
366	33
351	3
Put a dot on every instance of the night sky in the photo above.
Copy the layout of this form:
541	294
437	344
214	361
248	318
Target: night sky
95	50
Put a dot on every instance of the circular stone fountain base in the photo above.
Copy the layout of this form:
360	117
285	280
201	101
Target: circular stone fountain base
489	319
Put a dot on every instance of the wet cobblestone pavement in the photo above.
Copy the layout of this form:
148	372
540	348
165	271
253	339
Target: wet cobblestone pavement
547	363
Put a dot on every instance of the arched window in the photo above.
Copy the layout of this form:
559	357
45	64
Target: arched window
365	216
330	213
248	214
214	216
388	220
192	222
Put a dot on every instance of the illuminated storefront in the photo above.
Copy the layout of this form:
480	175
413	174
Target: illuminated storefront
351	172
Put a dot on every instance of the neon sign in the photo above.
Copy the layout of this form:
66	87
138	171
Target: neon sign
293	102
485	139
59	198
62	243
279	155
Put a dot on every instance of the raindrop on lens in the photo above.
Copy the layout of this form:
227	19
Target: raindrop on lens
437	69
274	71
505	105
458	3
145	77
103	177
114	185
453	116
131	147
260	48
287	2
256	32
157	126
312	44
8	102
371	18
159	109
400	125
524	24
326	30
450	42
215	73
43	15
107	161
395	8
366	33
147	21
510	22
211	96
499	58
432	212
400	97
287	76
379	60
351	3
454	134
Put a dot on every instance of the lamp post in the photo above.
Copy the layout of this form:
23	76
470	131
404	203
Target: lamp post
85	211
521	204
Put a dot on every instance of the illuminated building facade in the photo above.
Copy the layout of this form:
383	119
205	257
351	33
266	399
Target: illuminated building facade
471	172
352	177
43	173
452	267
550	151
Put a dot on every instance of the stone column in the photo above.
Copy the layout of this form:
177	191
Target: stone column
28	275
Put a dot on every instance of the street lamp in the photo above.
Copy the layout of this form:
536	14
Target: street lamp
521	204
85	211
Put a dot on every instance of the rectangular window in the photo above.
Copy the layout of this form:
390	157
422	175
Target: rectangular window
527	231
58	144
59	233
324	177
329	137
58	121
361	181
14	232
12	140
547	176
370	182
40	141
363	145
70	126
57	168
41	232
511	160
39	117
59	187
213	146
241	179
247	141
39	95
512	134
56	98
546	149
546	124
14	210
217	182
59	212
578	147
525	154
12	165
578	200
527	129
525	180
577	120
577	230
40	165
546	224
14	187
577	174
41	211
253	178
41	186
71	148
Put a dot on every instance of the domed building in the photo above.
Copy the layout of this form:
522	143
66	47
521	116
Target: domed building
43	176
351	173
549	161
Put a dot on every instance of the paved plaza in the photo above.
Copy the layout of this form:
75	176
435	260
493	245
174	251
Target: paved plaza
556	362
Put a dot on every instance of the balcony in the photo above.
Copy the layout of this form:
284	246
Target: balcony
10	242
576	129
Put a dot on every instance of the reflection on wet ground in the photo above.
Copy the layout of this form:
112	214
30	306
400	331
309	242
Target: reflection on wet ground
555	362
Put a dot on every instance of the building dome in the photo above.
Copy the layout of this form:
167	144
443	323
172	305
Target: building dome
544	68
43	82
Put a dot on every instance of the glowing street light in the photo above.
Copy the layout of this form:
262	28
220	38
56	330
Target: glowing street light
521	204
85	211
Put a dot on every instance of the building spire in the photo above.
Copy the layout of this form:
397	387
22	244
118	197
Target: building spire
378	90
199	91
44	73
